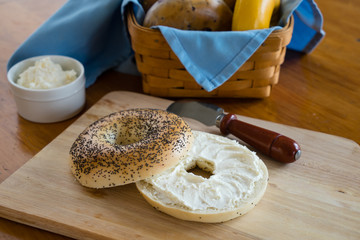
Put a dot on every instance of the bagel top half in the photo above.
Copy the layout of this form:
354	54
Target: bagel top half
127	146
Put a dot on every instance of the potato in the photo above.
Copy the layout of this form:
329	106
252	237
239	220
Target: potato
230	3
206	15
147	4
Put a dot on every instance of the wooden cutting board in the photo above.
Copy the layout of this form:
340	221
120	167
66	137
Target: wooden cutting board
317	197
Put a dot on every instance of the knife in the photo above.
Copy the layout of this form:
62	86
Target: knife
272	144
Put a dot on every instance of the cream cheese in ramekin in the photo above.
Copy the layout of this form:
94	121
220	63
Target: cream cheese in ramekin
45	74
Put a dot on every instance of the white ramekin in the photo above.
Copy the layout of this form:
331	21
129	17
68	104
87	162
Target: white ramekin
49	105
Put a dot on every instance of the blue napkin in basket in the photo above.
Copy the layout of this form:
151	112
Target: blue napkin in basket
95	33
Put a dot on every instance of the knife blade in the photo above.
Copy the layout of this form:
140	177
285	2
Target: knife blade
270	143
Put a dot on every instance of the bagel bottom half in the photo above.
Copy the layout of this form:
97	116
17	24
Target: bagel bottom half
237	183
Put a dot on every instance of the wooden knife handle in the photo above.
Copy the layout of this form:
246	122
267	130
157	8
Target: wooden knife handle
272	144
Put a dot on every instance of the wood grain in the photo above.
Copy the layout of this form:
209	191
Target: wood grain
319	91
308	196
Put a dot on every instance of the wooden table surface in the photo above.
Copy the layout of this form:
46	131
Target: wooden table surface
319	91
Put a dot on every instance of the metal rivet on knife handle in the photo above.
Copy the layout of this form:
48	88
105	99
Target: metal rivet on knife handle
275	145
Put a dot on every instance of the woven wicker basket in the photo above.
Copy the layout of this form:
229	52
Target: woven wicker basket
164	75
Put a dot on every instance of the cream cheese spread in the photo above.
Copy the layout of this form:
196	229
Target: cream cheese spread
45	74
235	170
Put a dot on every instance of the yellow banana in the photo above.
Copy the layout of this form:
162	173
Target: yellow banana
253	14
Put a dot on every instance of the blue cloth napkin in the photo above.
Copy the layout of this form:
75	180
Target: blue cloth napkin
95	33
